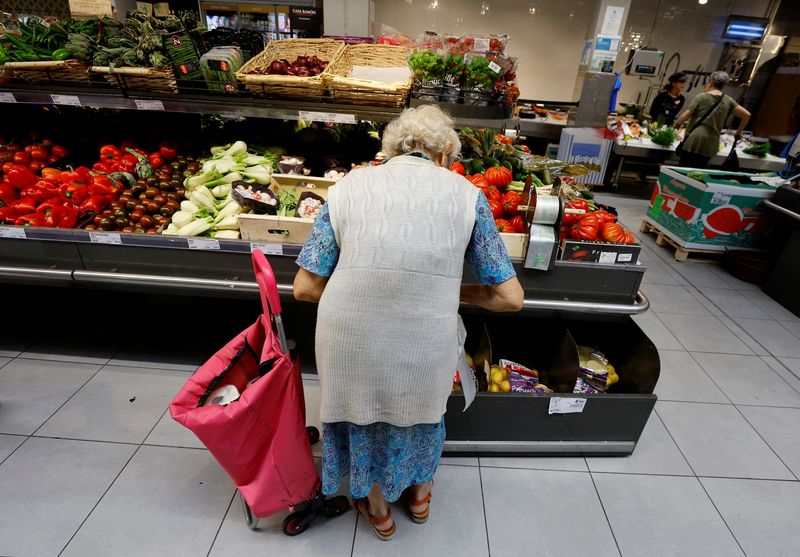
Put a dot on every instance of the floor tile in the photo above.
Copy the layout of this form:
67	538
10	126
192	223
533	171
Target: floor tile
459	460
703	333
682	379
780	365
657	271
331	537
734	327
170	433
718	441
778	427
566	464
70	348
772	336
8	443
118	404
761	514
673	299
748	380
770	306
178	356
33	389
559	512
13	343
170	501
4	361
656	331
734	303
655	453
662	515
456	525
313	396
49	486
793	327
700	274
793	364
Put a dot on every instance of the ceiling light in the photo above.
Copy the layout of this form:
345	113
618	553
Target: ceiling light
702	2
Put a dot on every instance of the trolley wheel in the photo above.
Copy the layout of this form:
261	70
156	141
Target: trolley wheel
336	506
313	434
249	517
296	523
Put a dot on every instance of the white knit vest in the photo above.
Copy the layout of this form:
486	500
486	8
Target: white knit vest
386	339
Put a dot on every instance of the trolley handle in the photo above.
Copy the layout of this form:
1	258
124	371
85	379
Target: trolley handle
267	286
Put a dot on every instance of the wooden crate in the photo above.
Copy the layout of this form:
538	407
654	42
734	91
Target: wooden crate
516	244
291	86
347	90
153	80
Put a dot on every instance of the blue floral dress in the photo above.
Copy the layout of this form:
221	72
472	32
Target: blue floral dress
393	457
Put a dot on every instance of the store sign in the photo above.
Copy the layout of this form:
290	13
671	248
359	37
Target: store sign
97	8
306	19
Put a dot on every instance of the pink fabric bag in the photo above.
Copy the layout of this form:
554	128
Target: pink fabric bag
259	439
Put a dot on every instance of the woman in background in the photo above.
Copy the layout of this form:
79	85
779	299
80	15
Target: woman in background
669	102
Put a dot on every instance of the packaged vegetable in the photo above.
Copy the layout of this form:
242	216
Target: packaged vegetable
309	205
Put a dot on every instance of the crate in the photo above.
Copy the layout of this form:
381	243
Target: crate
283	230
516	244
149	80
347	90
53	72
291	86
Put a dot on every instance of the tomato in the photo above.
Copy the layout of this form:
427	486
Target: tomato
627	238
458	168
517	224
156	160
493	194
497	208
585	229
59	151
8	167
612	232
21	157
498	176
510	203
502	225
479	180
36	166
604	217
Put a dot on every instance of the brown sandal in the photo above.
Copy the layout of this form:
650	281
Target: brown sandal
362	505
420	517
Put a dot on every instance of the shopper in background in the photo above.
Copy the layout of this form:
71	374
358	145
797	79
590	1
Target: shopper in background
707	114
669	102
384	260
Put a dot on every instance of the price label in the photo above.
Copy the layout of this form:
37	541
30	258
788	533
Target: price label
149	104
7	98
721	198
105	238
202	243
68	100
561	405
495	67
12	232
328	117
268	249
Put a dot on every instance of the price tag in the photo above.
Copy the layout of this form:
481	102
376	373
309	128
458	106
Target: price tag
560	405
69	100
149	104
328	117
608	257
105	238
7	98
12	232
202	243
721	198
495	67
268	249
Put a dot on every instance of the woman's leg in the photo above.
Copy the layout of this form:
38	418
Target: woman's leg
378	507
693	160
419	492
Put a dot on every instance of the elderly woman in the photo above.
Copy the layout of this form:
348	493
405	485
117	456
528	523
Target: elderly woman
707	114
385	261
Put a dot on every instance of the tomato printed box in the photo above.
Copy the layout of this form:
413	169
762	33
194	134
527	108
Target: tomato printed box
711	207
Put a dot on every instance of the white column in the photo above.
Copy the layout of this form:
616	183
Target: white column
348	17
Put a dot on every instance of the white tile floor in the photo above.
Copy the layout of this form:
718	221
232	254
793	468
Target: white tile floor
91	464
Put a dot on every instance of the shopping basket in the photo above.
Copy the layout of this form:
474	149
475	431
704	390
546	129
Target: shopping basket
260	439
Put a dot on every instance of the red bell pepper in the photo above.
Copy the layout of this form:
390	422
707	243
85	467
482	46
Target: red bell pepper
110	153
7	195
40	191
168	150
95	203
103	167
24	206
59	151
30	220
36	166
8	215
8	166
156	160
39	154
61	217
51	175
21	177
103	185
21	157
74	192
128	163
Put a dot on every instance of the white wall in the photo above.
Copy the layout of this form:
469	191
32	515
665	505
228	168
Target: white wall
546	35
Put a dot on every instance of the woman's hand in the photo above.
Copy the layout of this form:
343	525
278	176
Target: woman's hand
506	296
308	287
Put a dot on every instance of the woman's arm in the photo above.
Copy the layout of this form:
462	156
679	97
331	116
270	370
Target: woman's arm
506	296
308	287
683	117
744	117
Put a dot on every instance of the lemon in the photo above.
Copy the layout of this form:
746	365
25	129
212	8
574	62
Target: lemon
470	363
494	388
505	386
498	377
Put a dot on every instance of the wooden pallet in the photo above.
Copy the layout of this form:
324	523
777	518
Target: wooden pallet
681	253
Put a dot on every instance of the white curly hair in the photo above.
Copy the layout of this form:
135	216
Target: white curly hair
427	129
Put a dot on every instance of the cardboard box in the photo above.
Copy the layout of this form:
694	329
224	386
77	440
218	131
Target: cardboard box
711	211
600	252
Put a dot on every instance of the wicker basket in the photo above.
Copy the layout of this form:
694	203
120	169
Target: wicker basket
348	90
310	88
67	72
151	80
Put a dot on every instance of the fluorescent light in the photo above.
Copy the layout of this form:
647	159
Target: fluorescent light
702	2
